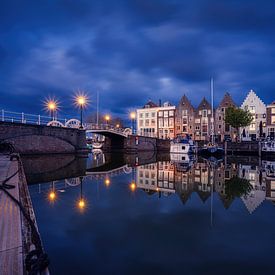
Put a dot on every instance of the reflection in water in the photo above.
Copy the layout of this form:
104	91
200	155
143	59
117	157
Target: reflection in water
230	181
140	217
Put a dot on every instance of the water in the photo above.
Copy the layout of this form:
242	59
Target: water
163	217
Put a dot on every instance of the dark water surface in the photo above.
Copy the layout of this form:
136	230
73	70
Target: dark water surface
159	218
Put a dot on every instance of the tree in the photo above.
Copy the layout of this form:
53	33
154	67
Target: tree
237	117
237	187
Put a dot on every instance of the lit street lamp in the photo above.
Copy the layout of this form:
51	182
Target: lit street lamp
81	101
52	106
133	117
107	118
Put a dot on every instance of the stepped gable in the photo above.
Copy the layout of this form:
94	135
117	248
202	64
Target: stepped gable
252	94
184	101
227	101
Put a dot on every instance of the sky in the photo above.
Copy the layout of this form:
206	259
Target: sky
133	51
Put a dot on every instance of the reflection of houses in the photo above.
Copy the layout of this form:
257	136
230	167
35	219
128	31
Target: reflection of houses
164	177
257	108
224	130
258	193
269	175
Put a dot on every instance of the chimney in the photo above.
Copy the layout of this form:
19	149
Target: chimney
159	102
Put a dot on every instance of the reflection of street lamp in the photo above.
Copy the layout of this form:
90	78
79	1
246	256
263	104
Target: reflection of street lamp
52	195
81	204
133	117
107	118
117	126
81	101
107	182
133	186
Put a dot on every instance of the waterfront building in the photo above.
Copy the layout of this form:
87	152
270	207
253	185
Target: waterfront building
185	117
270	119
223	130
147	120
166	121
203	121
257	108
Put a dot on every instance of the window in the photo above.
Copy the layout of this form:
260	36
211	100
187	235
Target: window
165	113
153	122
184	129
197	120
252	109
220	118
152	114
160	122
140	123
160	113
171	122
204	128
272	119
272	110
227	127
146	114
204	113
184	112
141	115
252	126
147	122
171	113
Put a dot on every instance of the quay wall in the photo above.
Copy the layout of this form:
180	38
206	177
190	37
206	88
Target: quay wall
40	139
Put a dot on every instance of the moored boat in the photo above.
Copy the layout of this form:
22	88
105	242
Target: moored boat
182	145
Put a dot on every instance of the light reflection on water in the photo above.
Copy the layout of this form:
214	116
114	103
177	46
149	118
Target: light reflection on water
160	218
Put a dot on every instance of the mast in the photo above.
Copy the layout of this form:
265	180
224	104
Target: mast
212	109
97	107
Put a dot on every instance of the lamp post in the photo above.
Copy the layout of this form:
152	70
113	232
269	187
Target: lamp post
81	101
107	118
52	194
52	106
133	117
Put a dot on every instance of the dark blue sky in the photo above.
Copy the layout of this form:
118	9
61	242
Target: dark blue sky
134	50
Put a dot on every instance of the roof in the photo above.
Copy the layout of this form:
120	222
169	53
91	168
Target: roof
184	101
204	104
150	104
226	101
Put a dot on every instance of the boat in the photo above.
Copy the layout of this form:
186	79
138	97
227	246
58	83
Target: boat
97	145
212	148
269	169
182	162
268	147
182	145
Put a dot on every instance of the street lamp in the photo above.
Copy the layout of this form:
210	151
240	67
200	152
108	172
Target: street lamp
107	118
107	182
133	117
133	186
52	106
81	101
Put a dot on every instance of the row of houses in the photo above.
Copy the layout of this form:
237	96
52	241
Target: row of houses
167	121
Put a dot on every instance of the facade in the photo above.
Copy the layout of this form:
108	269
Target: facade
185	117
223	130
166	121
202	121
257	108
147	120
156	121
270	119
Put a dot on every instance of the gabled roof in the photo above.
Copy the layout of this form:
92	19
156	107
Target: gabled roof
204	104
150	104
226	101
184	101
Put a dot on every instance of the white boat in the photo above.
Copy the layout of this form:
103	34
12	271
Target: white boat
182	145
269	169
183	162
268	147
97	145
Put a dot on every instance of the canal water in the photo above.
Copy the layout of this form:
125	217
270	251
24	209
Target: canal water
154	215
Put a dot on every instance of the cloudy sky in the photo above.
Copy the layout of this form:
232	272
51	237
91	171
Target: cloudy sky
132	51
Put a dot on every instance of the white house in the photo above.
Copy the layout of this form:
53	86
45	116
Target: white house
257	108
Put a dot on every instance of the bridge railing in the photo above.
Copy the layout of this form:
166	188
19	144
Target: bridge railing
95	126
25	118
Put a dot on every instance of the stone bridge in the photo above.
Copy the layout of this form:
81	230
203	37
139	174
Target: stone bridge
41	139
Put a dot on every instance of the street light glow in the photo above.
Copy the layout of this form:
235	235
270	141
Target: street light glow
107	117
81	100
133	186
107	182
133	115
52	196
81	204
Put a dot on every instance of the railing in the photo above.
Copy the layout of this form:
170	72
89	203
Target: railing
28	118
109	127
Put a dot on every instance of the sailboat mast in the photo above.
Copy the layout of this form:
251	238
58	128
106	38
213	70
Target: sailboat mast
97	105
212	109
